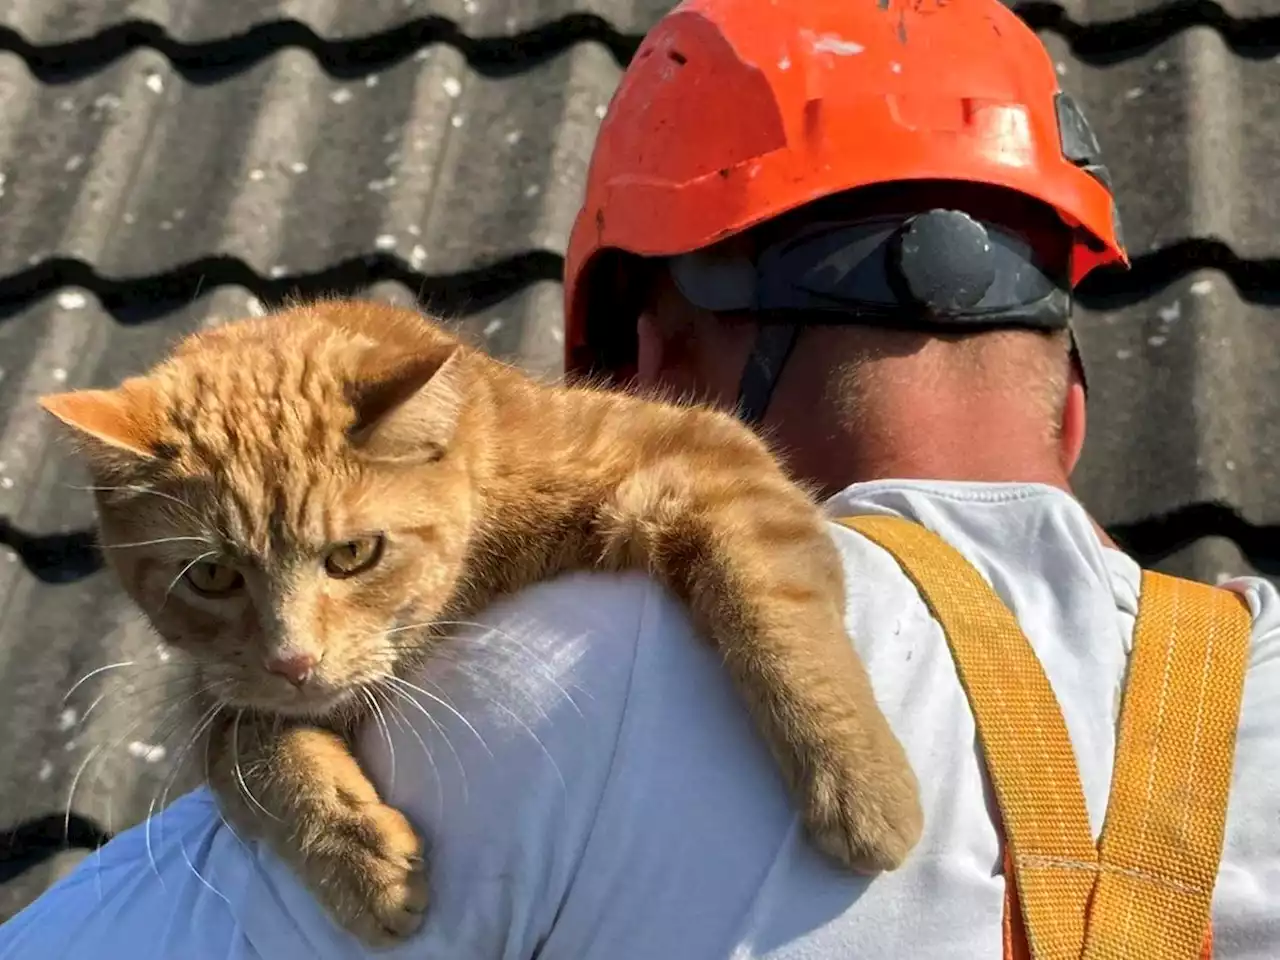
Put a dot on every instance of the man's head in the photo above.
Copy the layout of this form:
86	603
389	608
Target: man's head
831	202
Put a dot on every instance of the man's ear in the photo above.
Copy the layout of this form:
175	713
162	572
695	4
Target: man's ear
406	404
115	429
1071	440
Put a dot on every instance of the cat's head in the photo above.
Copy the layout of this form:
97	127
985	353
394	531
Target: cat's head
284	497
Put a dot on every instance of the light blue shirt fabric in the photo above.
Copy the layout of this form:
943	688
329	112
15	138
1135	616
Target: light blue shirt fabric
593	789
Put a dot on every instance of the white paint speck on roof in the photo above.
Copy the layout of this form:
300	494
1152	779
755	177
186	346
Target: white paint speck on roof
67	718
418	255
457	120
150	752
155	82
492	327
1170	312
452	86
341	95
74	162
257	174
512	137
59	375
385	241
371	80
1133	93
71	300
1202	288
298	167
532	190
46	771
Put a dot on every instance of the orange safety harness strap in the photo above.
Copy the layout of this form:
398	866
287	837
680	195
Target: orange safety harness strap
1146	891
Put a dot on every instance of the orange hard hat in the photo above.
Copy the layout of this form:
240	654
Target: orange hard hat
733	112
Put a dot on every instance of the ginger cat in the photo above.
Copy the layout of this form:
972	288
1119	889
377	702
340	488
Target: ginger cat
292	488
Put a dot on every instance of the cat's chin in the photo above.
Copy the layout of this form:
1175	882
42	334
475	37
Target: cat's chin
303	706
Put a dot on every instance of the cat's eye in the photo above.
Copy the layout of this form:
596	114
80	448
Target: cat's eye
213	580
354	556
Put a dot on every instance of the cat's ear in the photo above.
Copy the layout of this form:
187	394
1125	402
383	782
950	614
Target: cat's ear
115	428
407	405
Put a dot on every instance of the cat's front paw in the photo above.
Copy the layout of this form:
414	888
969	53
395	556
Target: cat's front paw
369	872
867	817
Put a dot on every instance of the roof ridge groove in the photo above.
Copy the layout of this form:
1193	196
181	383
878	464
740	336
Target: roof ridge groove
149	298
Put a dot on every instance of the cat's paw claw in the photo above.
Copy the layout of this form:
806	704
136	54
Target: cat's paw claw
377	888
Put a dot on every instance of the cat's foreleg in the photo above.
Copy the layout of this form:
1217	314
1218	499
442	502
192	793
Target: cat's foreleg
301	789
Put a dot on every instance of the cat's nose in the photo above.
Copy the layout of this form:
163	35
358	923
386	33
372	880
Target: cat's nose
296	668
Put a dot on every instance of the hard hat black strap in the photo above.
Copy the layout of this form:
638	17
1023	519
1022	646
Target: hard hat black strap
769	353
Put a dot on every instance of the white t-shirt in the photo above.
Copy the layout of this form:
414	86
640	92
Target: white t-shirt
594	790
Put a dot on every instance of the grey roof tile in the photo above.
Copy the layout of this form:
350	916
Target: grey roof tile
1215	559
52	22
1183	404
196	21
1107	11
137	171
1191	134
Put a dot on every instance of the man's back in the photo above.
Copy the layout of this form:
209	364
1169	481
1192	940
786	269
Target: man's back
593	789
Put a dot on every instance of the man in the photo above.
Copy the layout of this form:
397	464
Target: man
860	223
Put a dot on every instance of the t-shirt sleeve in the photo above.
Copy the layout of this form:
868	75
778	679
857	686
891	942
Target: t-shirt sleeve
498	749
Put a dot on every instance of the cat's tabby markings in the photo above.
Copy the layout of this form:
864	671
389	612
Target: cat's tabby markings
300	485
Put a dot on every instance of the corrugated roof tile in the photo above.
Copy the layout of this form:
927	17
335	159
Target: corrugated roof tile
138	171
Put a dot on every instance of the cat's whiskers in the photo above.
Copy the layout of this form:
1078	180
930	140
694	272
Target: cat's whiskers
93	673
183	572
514	716
110	748
208	779
133	691
155	543
198	731
141	490
175	767
515	641
235	765
376	712
413	688
523	647
378	688
444	735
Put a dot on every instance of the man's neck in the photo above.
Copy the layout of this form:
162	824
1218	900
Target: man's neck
945	446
